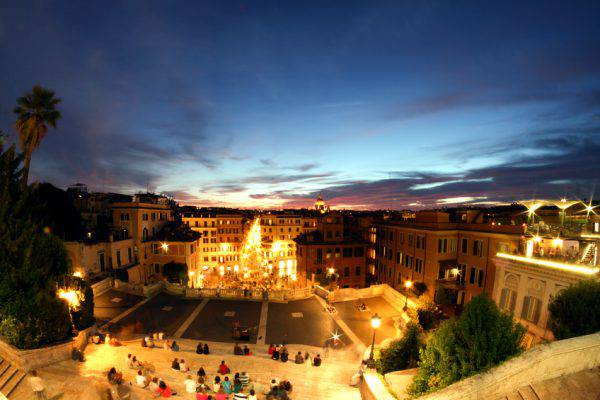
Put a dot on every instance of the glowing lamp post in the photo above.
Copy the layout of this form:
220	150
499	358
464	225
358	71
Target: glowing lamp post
407	285
191	274
375	324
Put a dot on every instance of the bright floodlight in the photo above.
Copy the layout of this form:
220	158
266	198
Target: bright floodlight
376	321
408	284
165	246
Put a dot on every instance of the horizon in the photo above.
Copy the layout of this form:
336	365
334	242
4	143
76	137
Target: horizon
268	105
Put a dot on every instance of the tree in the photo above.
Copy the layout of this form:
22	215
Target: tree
482	337
35	111
402	353
176	272
31	263
576	310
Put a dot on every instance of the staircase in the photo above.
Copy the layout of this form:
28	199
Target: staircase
588	254
10	377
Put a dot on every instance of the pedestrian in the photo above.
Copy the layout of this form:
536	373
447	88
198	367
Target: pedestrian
37	385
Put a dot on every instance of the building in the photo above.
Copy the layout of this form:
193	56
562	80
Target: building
332	253
451	258
561	246
221	237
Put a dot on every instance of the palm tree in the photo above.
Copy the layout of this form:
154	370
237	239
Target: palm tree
35	111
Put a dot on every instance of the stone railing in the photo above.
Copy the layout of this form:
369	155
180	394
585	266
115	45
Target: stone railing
129	287
372	388
102	286
29	359
395	298
274	295
544	361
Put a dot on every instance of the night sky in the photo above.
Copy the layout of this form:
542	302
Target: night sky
268	104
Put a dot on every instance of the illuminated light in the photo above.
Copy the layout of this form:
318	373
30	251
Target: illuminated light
221	273
72	297
205	267
191	273
294	277
236	268
245	268
537	239
165	247
529	249
265	274
89	234
246	275
228	268
408	284
270	267
331	270
551	264
376	321
590	235
455	271
336	336
78	274
557	242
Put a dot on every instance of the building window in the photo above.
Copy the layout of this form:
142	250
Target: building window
442	245
531	309
410	239
480	278
118	258
346	272
472	276
359	252
477	248
357	271
508	299
398	257
347	252
464	246
418	265
420	242
145	217
124	217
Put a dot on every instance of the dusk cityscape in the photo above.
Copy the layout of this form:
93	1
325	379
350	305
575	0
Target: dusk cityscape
229	200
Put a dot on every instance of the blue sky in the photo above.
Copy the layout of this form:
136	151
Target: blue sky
268	104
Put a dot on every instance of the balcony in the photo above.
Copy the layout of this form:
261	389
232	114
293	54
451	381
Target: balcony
579	255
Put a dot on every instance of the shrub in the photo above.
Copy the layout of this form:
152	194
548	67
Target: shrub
176	272
402	353
419	288
479	339
576	310
429	316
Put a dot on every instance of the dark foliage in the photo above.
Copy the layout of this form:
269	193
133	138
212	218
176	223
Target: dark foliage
479	339
576	310
402	353
31	263
176	272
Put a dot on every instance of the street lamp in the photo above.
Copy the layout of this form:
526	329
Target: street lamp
375	323
407	285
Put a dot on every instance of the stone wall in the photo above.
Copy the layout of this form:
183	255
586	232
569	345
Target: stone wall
372	388
544	361
392	296
102	286
26	360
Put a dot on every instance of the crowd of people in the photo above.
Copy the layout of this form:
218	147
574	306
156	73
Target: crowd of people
280	352
225	385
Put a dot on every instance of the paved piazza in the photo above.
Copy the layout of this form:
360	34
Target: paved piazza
298	322
303	324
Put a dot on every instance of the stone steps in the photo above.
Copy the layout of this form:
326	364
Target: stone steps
10	377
